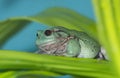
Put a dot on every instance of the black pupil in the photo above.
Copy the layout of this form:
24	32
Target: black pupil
48	32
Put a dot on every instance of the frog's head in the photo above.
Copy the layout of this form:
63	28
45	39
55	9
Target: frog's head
48	40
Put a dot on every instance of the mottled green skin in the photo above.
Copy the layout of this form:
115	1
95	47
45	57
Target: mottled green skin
79	44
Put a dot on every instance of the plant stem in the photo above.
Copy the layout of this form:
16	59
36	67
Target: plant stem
108	20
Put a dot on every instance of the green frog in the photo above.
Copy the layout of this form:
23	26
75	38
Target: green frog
61	41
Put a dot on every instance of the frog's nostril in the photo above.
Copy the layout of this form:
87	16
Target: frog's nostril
37	34
48	32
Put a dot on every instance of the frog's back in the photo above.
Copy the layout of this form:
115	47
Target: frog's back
89	47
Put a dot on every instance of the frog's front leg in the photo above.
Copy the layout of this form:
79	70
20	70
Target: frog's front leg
72	48
40	52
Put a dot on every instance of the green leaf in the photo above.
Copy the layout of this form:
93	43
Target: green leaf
108	19
68	18
52	17
10	27
28	74
13	60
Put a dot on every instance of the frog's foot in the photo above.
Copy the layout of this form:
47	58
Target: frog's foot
69	55
40	52
100	56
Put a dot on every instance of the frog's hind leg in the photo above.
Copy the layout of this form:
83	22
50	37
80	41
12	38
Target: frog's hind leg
100	55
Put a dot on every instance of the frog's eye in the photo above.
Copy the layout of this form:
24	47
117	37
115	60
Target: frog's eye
48	32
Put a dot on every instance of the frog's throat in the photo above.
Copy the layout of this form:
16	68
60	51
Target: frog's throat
55	47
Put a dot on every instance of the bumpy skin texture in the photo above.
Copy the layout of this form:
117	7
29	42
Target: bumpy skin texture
65	42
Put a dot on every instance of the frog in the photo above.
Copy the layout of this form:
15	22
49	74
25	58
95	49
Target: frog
61	41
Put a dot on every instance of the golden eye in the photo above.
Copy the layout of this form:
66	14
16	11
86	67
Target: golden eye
48	32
